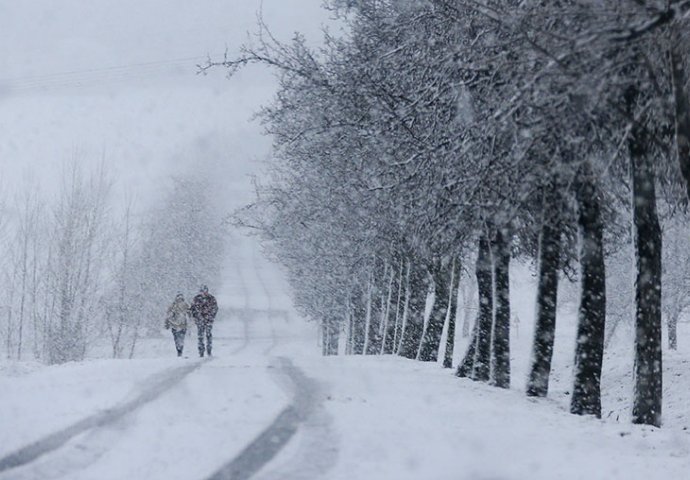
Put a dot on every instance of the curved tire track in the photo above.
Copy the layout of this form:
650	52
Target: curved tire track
155	387
270	441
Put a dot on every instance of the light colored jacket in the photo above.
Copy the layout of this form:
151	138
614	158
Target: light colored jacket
178	314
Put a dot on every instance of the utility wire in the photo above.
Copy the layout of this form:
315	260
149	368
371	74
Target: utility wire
87	77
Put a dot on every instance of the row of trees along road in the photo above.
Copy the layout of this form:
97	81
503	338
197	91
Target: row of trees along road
428	130
80	272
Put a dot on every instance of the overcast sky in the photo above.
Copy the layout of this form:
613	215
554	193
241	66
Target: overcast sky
82	78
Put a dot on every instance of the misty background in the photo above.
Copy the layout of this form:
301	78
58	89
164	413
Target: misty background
118	80
105	100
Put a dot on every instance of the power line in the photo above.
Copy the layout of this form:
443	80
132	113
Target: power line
102	69
86	77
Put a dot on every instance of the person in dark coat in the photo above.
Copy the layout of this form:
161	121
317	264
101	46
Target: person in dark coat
204	308
176	320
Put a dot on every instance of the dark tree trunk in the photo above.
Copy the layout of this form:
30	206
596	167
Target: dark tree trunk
682	110
330	335
388	328
481	366
500	338
589	346
358	321
482	271
452	316
372	315
441	276
399	306
412	335
374	343
333	337
324	338
647	238
547	297
467	297
389	344
673	332
350	332
467	363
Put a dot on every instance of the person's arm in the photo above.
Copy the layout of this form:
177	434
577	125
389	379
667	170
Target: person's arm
168	315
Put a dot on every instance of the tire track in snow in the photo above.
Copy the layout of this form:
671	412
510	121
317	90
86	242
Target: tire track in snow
272	439
156	386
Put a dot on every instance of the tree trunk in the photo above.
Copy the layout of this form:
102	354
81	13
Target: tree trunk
467	363
335	339
673	332
135	337
500	337
451	317
481	362
647	239
589	346
324	338
467	297
34	297
10	312
348	322
386	330
368	302
398	324
414	316
432	339
547	298
22	301
332	337
373	344
682	110
358	321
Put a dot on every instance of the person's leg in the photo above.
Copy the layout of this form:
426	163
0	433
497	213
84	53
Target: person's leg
209	337
177	347
180	341
200	331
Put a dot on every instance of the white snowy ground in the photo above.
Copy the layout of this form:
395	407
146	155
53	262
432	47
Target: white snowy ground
355	417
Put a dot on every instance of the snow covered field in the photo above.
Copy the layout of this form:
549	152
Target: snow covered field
352	417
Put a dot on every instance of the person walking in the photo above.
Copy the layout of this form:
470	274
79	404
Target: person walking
176	320
204	308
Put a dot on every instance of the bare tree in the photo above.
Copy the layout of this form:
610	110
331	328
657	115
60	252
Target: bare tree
76	270
28	232
120	317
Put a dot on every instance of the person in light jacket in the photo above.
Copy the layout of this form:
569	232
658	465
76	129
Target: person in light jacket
176	320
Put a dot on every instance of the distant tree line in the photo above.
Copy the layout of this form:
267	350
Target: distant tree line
81	271
428	133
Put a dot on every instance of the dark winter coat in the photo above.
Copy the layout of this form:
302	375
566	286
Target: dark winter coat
204	308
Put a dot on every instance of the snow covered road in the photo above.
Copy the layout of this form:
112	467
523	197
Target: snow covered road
154	387
279	432
177	424
269	407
